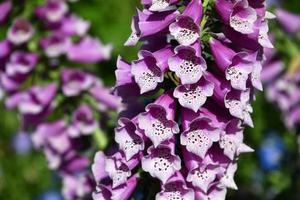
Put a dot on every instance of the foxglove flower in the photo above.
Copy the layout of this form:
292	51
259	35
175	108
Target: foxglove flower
17	69
194	96
89	50
74	25
55	45
200	136
186	28
34	101
129	138
83	122
158	120
161	162
159	5
209	105
176	188
20	32
187	66
53	11
75	81
77	187
149	70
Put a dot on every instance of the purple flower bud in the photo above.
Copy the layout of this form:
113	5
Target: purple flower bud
5	8
89	50
289	21
20	32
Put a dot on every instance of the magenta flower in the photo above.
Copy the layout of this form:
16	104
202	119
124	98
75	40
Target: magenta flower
129	138
83	122
53	11
289	21
176	188
186	65
89	50
199	136
123	192
20	32
158	120
161	162
194	96
5	8
74	25
34	101
77	187
17	69
55	45
149	70
208	104
75	81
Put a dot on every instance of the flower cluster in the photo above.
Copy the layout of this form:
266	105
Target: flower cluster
61	105
282	81
197	71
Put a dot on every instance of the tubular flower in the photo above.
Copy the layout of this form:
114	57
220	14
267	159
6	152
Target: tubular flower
282	81
197	100
61	106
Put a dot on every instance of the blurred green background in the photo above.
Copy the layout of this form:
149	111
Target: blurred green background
25	177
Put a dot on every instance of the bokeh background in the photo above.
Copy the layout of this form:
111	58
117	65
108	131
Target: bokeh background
271	172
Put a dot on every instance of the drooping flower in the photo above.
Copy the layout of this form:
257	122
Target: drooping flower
75	81
158	120
20	31
17	69
83	122
88	50
187	66
194	96
161	162
129	138
55	45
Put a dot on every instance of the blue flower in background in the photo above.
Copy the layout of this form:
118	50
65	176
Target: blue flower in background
22	143
50	195
271	152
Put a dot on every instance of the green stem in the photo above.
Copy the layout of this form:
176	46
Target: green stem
205	3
